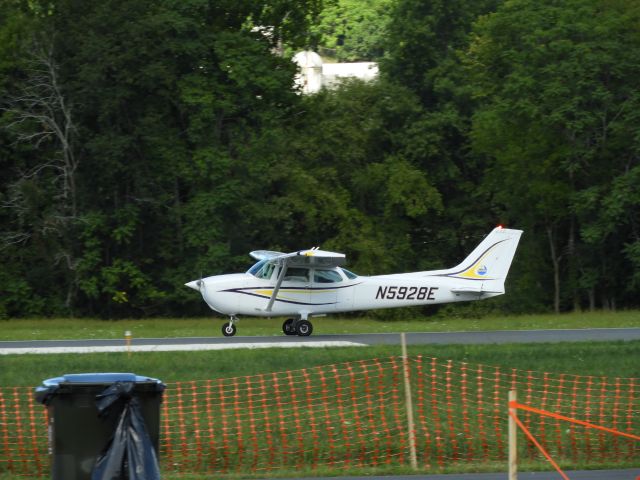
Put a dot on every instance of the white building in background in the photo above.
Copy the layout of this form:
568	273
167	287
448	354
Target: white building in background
315	74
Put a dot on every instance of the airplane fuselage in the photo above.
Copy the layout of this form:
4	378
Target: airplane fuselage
244	294
312	282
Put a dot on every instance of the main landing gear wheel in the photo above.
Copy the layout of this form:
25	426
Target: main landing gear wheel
288	328
228	329
304	328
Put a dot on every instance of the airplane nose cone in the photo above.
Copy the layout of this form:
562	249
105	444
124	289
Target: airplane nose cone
194	285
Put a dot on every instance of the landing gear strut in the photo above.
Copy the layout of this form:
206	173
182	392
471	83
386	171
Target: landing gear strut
229	329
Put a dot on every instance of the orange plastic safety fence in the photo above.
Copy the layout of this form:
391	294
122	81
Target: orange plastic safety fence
540	448
23	433
583	423
354	415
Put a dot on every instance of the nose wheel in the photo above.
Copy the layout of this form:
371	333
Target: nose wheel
229	328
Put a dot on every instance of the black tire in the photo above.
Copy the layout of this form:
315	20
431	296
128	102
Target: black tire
228	330
304	328
288	328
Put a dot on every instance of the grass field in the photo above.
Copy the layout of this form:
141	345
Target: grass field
63	328
601	358
609	359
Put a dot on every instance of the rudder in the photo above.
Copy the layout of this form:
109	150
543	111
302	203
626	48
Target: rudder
489	262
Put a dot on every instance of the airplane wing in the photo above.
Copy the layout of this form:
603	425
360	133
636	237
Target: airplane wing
302	258
313	257
262	254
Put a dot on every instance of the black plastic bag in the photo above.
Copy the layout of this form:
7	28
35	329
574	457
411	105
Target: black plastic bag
130	454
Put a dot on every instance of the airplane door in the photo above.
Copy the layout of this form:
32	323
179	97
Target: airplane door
296	286
324	291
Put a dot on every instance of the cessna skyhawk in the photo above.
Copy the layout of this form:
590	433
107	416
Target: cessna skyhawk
311	283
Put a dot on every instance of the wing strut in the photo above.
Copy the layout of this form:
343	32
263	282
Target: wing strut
276	289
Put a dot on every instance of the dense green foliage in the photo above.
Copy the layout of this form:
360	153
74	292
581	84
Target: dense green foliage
352	30
145	143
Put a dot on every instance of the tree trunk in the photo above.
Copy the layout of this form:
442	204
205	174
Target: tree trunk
555	261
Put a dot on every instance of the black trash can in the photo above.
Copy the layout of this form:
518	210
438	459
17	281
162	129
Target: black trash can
81	424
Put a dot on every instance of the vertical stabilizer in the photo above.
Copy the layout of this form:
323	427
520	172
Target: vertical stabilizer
489	262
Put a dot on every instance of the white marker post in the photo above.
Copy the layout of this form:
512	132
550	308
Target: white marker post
127	340
513	438
409	403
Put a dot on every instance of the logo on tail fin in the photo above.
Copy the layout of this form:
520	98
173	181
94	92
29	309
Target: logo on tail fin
478	270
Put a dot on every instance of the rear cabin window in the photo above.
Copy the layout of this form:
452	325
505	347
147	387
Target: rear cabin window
350	275
326	276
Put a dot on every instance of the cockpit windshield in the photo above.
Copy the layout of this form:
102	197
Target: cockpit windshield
257	267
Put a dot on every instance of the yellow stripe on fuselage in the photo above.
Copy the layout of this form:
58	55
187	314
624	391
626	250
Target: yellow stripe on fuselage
268	293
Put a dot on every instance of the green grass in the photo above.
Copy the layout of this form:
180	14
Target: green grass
63	328
611	359
601	358
322	472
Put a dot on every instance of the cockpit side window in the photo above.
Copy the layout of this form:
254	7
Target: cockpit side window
326	276
266	271
262	269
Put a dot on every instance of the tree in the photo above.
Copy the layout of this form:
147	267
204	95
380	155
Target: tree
166	97
353	30
424	47
40	115
558	84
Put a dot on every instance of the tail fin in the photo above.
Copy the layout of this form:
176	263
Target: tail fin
489	262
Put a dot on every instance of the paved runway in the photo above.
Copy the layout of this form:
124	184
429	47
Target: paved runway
220	343
629	474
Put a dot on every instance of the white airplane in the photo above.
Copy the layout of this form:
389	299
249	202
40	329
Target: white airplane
312	283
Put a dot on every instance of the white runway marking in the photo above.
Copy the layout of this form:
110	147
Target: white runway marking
176	348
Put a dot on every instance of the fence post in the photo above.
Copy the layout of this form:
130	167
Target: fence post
127	341
513	436
409	404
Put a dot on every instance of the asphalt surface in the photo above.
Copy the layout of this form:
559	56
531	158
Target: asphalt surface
219	343
630	474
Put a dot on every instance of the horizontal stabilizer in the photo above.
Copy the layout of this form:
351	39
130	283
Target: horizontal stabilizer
476	290
467	290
